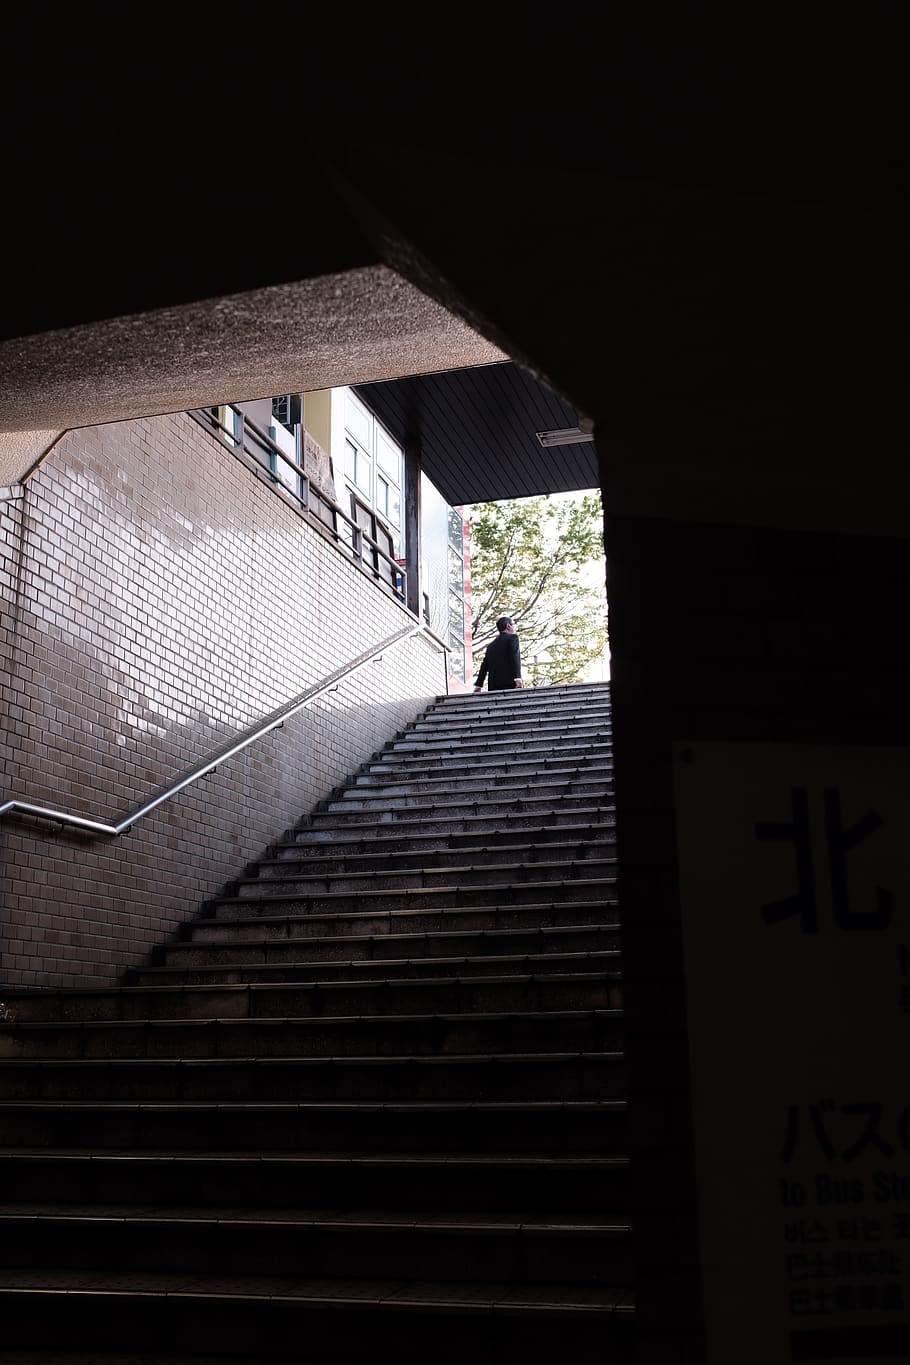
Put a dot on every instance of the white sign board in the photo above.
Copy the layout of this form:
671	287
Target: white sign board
794	874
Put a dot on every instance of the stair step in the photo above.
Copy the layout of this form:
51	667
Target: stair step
261	898
542	690
474	918
329	1243
328	949
566	715
494	738
503	809
489	826
566	719
297	1002
265	1318
382	970
410	752
543	757
458	872
24	1356
286	857
366	1293
239	1035
540	1182
513	1127
379	838
501	776
340	1078
500	796
529	693
491	777
530	699
495	784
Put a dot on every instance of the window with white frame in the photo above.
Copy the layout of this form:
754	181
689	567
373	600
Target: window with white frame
372	465
286	437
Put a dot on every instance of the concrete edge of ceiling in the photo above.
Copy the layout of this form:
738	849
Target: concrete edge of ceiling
356	326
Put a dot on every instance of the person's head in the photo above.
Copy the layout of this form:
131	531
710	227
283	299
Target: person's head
505	624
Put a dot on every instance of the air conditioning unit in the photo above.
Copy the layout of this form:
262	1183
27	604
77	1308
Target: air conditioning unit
286	410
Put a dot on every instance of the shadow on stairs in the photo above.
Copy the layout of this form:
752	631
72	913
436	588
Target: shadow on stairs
370	1104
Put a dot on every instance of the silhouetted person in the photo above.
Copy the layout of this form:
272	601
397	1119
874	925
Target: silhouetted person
501	660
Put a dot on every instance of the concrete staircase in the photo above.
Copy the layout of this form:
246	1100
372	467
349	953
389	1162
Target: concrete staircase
370	1105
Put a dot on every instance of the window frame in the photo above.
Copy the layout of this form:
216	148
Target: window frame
378	435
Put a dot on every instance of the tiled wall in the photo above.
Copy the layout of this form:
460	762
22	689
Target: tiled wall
157	599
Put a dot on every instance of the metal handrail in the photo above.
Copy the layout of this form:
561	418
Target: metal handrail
232	440
273	721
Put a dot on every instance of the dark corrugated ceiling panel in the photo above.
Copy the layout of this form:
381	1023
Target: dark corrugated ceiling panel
477	432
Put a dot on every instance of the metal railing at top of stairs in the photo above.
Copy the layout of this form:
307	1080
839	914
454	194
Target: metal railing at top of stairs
321	511
273	721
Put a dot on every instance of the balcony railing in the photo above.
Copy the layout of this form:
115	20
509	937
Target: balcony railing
321	511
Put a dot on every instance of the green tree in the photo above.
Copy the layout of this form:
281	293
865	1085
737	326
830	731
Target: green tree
527	561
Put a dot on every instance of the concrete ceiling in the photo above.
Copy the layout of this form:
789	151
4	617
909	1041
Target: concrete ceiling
356	326
476	431
689	223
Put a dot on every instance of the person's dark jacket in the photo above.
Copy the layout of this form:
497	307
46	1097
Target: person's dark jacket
502	662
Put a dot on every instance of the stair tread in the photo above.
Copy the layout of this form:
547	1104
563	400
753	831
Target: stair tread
348	1293
566	718
483	732
315	986
301	1217
400	823
267	1060
476	713
478	851
597	811
461	744
474	760
387	964
383	939
582	746
505	798
321	1160
420	910
179	970
589	685
586	829
473	888
491	795
554	777
491	1107
367	873
542	776
25	1356
475	755
489	738
456	745
252	1023
392	916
